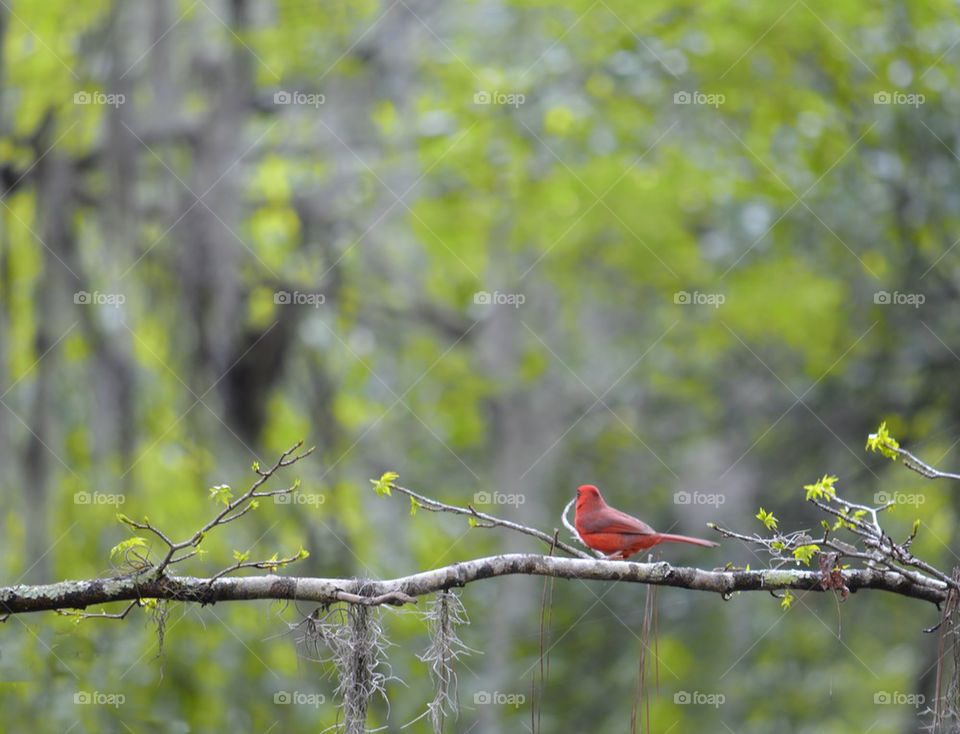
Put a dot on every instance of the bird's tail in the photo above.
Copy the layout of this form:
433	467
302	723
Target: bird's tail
687	539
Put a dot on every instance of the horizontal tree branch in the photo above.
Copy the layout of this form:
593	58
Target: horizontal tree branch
67	595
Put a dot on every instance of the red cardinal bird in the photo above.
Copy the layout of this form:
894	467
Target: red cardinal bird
616	533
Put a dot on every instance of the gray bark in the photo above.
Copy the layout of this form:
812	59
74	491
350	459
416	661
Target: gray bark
81	594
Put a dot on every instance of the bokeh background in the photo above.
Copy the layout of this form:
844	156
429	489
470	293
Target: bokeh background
494	246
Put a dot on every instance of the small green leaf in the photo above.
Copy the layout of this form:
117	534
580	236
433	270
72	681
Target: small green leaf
255	466
124	519
767	518
472	521
806	553
822	488
382	485
120	549
882	442
413	506
241	557
301	554
843	521
221	493
786	601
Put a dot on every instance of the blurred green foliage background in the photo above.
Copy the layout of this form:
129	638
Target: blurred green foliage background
719	244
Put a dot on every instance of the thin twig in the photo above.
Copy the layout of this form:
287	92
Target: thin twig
485	519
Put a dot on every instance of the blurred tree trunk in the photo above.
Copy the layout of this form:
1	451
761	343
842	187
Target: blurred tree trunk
53	177
7	455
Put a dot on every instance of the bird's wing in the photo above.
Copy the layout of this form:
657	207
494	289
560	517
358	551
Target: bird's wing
614	521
